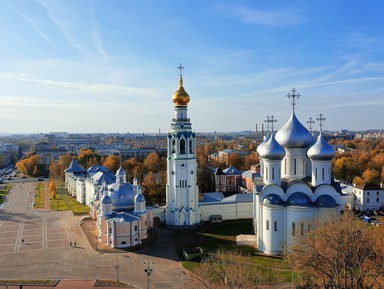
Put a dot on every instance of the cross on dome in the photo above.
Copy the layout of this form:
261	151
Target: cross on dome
310	122
321	120
181	67
273	120
267	121
294	96
270	121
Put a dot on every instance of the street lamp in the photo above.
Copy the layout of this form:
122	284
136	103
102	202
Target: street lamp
96	242
148	271
117	272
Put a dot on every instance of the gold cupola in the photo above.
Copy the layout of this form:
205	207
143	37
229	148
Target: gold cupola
180	97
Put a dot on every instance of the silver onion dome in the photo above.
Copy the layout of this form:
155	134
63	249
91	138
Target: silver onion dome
260	147
321	149
293	134
272	150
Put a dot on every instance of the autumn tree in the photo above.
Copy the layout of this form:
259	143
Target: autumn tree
151	162
236	161
250	160
54	169
30	165
224	269
112	163
138	171
345	254
63	164
52	188
154	187
88	157
361	157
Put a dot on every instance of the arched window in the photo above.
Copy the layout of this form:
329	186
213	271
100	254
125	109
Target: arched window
190	145
173	145
182	146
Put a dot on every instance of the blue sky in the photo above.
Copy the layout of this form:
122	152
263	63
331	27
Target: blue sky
110	66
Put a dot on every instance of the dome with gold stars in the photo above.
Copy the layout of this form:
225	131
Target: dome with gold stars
180	97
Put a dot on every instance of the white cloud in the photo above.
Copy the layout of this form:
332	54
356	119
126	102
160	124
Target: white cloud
36	28
85	38
83	87
278	17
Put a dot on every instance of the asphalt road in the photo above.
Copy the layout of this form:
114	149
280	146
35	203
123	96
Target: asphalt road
36	245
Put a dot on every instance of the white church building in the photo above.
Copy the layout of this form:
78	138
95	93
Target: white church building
295	185
119	208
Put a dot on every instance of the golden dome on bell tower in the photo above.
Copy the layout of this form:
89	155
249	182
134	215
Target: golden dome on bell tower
180	97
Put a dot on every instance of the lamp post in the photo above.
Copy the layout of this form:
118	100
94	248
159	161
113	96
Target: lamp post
96	242
117	272
148	271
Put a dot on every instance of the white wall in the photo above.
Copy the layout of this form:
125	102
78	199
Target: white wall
228	211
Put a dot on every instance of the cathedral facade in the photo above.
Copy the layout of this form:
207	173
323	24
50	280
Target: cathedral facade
295	185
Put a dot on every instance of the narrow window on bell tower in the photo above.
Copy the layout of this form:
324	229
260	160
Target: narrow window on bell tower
190	145
182	146
173	145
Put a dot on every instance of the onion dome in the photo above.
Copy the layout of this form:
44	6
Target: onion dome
120	172
325	201
293	134
273	199
106	200
272	150
321	149
139	197
180	97
259	149
299	199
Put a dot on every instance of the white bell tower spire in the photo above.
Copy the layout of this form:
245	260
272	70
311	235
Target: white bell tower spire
182	210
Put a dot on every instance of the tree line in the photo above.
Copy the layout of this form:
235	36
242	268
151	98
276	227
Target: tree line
362	162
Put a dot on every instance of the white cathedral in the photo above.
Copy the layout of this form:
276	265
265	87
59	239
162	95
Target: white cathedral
295	185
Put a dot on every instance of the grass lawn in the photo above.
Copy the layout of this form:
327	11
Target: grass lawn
3	192
65	202
39	197
223	236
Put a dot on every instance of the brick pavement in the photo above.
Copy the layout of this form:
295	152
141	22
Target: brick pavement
46	252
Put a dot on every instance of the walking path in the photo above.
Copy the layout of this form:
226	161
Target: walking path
36	245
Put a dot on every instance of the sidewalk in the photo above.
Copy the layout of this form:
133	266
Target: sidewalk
69	284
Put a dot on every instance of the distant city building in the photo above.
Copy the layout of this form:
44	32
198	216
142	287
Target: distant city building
73	145
227	180
368	197
223	155
370	134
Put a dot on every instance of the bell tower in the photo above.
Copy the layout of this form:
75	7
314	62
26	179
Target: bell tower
182	210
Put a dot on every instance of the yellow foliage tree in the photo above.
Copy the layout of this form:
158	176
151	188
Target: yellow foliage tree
52	188
112	163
